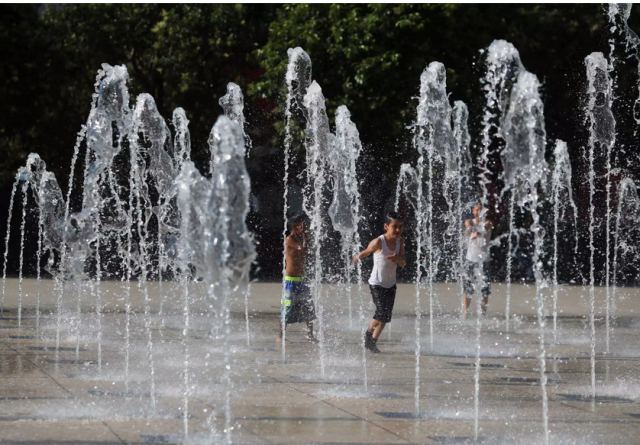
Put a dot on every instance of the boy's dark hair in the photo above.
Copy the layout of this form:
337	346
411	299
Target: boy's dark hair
390	216
294	221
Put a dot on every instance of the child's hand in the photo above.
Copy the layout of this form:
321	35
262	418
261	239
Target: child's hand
355	259
394	258
474	235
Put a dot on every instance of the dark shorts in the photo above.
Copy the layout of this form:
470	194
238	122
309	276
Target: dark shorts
383	298
474	272
297	304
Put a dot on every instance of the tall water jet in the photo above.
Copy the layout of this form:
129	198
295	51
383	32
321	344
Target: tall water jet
297	80
410	186
23	222
460	117
503	65
231	251
151	176
601	124
34	180
169	219
619	14
514	117
215	247
51	205
192	193
525	170
419	234
233	105
434	138
344	207
48	199
562	198
30	177
319	143
108	123
6	241
626	235
344	211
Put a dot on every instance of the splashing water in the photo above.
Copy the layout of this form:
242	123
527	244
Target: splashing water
526	170
409	189
297	79
562	197
434	137
601	138
344	211
618	14
319	143
503	65
627	236
462	176
233	105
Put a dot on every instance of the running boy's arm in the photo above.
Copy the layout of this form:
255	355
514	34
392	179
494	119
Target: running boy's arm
468	223
373	246
399	258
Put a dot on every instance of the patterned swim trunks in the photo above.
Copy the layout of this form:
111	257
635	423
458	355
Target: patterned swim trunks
297	304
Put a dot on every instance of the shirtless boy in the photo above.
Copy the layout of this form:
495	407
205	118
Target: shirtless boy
297	304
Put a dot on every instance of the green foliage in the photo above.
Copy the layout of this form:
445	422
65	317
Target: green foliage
368	57
183	55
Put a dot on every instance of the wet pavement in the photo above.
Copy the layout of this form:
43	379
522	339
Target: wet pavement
247	390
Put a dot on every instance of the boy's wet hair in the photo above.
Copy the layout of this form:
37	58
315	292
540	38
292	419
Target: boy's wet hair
390	216
295	220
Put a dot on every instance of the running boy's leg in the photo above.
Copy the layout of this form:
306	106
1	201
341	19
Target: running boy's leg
468	284
307	309
486	289
383	299
285	307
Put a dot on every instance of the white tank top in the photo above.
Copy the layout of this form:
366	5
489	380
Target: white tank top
384	271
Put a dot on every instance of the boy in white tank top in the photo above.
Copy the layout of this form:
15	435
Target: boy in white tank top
388	254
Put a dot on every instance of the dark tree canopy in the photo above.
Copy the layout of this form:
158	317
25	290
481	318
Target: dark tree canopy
368	57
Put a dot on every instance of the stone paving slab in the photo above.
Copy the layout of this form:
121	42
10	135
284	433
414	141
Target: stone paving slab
314	394
59	432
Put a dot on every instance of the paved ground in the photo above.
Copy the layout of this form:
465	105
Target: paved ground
96	388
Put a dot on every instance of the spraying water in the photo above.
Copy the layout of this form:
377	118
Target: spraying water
526	169
34	180
562	197
231	251
192	193
88	230
435	138
460	117
297	79
619	14
6	241
503	65
319	143
152	173
601	124
233	105
409	186
344	210
626	236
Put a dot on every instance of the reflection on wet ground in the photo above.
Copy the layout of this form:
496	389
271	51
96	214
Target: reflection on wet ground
66	395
